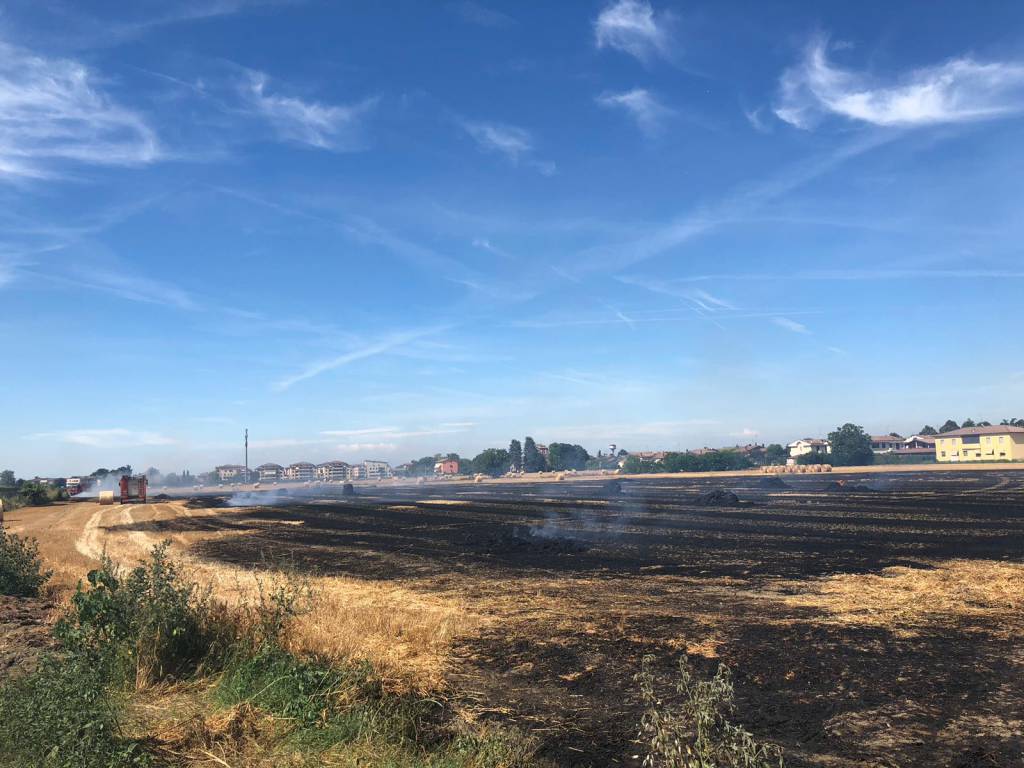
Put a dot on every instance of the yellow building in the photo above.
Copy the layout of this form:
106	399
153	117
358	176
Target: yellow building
997	443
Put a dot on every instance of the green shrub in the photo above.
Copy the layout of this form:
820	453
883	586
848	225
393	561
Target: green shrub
693	731
153	623
21	569
63	716
304	691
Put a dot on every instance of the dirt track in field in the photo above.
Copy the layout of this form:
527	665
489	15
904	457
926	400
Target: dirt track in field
879	626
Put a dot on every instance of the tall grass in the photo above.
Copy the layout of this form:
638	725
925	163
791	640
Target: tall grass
129	632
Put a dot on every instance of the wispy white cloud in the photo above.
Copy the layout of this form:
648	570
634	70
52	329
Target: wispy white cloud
52	111
746	432
136	288
115	437
633	27
479	14
958	90
857	275
512	142
397	433
790	325
640	104
365	447
386	344
332	127
745	202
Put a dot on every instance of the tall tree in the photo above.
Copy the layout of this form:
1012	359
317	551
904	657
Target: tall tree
565	456
949	426
851	446
7	478
515	455
928	429
533	461
775	454
968	423
492	461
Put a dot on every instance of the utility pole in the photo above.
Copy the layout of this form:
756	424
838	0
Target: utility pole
247	454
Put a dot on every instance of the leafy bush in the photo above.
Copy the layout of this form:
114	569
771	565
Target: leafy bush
62	716
21	569
304	691
153	623
694	730
814	457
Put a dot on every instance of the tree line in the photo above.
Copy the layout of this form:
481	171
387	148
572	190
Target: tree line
951	426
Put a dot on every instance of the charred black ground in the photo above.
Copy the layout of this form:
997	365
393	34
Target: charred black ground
647	567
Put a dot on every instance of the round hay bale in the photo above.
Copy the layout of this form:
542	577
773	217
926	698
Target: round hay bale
478	479
827	468
560	476
106	498
348	490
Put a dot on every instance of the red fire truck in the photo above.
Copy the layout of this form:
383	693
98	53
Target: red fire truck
133	489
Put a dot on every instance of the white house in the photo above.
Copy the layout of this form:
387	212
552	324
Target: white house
377	470
809	445
269	472
333	471
302	471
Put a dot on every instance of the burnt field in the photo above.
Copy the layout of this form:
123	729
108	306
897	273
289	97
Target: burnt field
877	623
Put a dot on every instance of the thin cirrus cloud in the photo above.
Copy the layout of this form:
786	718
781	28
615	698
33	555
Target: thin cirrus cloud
959	90
332	127
515	144
632	26
382	346
52	111
115	437
641	105
791	325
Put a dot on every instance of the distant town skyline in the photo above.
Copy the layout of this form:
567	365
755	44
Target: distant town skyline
390	230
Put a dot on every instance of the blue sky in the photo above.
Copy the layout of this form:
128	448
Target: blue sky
382	230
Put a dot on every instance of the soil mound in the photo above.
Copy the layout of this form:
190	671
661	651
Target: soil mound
207	502
612	488
774	482
161	497
719	497
24	633
844	487
348	490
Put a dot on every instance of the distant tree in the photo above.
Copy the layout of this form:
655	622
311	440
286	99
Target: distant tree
775	454
7	478
851	446
423	467
492	461
680	462
211	478
562	456
636	466
1004	422
533	461
33	494
968	423
928	429
814	457
172	480
465	466
101	472
984	423
153	475
515	455
897	435
622	452
949	426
